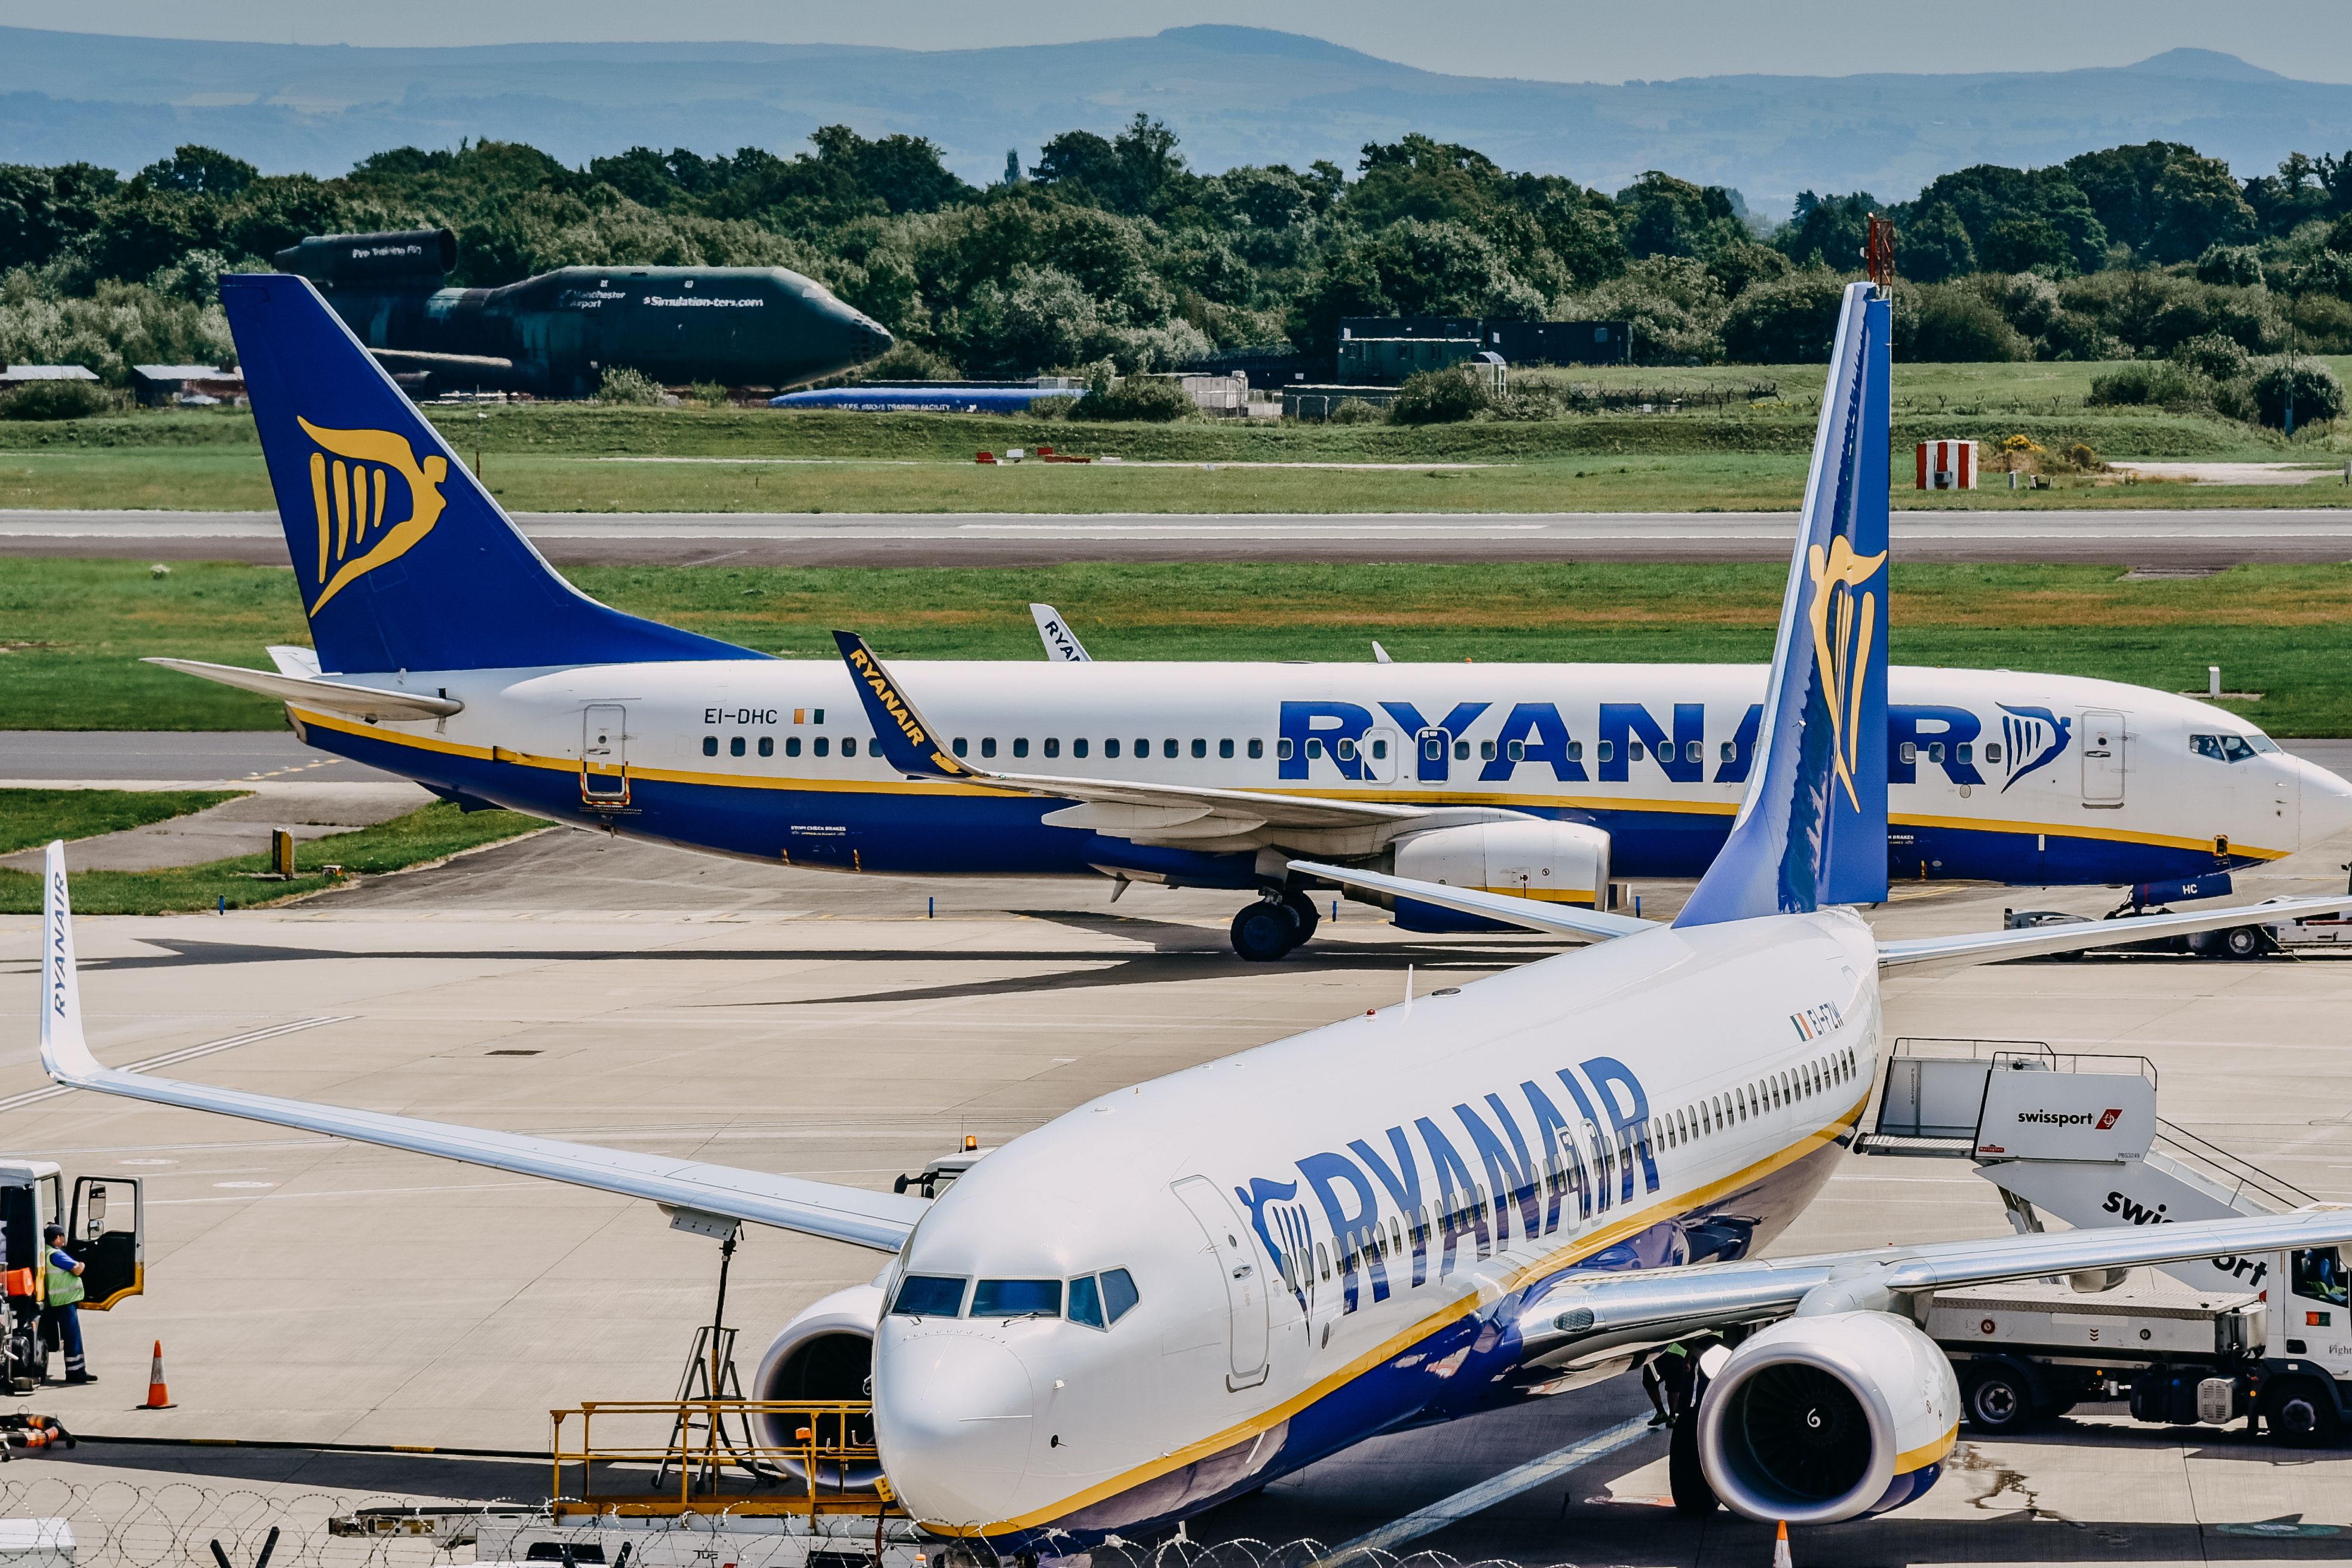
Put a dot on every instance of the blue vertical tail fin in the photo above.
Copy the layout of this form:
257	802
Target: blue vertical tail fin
403	560
1812	828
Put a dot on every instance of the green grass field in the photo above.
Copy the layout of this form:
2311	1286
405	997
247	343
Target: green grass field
551	457
427	834
77	629
33	816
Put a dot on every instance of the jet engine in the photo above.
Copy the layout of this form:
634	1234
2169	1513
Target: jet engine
1818	1420
408	258
825	1353
1559	862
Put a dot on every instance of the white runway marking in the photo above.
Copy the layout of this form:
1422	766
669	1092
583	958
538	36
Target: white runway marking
1475	1500
173	1059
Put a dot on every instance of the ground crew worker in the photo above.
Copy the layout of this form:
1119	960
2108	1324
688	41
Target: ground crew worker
62	1296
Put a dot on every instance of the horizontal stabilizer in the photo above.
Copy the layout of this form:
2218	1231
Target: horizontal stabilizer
1992	946
881	1221
330	696
1535	915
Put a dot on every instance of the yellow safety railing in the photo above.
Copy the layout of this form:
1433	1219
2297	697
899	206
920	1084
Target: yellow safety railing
710	1456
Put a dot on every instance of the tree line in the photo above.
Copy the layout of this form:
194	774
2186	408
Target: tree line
1111	249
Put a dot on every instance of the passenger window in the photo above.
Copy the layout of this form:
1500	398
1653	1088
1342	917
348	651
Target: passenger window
987	745
1322	1261
1729	752
928	1295
1110	748
963	747
1486	750
1313	749
1908	752
1077	747
1515	750
1257	748
1053	746
1935	750
822	745
1379	750
1226	748
1021	745
1461	751
1199	747
1632	751
849	745
710	745
1576	750
1017	1299
1281	749
1965	752
1119	1295
1086	1303
1433	748
1694	753
1992	752
793	746
1345	749
734	745
1606	750
1143	750
767	745
1167	748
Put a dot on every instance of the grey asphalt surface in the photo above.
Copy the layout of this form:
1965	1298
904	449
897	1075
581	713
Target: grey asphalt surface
2187	538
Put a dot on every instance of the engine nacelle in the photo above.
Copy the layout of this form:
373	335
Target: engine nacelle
1559	862
1819	1419
402	259
825	1353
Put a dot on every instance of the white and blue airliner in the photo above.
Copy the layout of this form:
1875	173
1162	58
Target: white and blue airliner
1188	1288
448	651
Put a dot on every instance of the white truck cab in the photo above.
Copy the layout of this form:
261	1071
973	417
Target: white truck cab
105	1221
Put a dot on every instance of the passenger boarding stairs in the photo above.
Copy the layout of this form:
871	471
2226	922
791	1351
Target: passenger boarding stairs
2076	1136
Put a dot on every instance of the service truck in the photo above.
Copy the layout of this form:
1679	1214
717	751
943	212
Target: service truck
105	1232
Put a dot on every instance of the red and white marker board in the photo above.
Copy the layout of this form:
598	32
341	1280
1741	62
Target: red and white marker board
1948	465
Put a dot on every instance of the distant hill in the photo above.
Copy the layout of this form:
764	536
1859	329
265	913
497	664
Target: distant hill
1236	95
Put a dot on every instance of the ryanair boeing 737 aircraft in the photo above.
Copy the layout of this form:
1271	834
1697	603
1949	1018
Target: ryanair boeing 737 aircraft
1183	1290
447	650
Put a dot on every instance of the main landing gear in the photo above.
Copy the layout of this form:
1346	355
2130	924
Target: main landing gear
1279	920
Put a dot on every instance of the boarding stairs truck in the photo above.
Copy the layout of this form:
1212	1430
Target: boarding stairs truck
2267	1337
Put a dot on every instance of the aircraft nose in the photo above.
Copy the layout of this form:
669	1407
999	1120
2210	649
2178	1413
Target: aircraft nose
2326	801
863	338
953	1414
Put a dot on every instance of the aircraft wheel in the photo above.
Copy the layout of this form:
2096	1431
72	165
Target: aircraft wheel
1264	931
1686	1475
1301	905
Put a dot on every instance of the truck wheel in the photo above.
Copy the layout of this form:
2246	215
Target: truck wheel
1686	1476
2243	942
1264	931
2000	1401
2298	1412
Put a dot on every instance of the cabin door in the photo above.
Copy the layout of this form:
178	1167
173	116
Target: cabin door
1246	1287
2103	758
1432	763
604	752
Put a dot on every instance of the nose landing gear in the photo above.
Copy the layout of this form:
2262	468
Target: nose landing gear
1270	928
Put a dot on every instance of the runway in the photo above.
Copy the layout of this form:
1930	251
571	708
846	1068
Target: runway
2201	538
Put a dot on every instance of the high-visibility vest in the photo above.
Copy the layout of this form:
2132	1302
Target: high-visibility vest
65	1288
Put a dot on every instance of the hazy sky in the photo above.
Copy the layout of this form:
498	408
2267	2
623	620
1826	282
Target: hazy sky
1563	40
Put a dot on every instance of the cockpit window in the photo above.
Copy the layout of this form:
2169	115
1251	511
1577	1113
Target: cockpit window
1017	1299
2262	742
1120	1294
928	1295
2230	748
1086	1302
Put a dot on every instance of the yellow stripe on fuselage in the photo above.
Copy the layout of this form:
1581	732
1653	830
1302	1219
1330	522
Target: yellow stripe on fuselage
441	746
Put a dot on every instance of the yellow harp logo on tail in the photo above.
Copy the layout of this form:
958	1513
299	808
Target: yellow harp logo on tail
351	491
1843	620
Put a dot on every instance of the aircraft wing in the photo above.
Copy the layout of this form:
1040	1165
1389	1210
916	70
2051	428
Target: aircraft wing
1126	807
1586	1314
332	696
1992	946
881	1221
1573	920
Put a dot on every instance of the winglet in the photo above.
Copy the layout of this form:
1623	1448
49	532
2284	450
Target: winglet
1812	828
906	738
1062	643
63	1052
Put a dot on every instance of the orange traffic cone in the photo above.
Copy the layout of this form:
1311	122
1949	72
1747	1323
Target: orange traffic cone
1781	1558
158	1396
